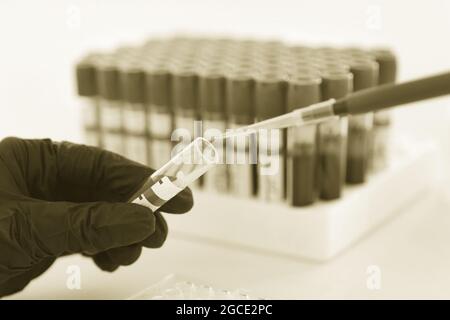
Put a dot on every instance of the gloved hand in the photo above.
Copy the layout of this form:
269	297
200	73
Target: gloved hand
62	198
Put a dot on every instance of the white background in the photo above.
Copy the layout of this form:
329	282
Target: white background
41	41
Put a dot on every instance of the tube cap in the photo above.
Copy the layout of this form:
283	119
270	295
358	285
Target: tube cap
132	82
303	91
239	96
388	65
336	84
184	89
365	73
108	82
86	77
270	95
158	79
211	88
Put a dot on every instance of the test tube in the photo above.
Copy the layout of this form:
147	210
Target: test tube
211	100
387	74
132	82
365	75
270	101
303	91
87	90
332	138
240	153
110	104
184	101
182	169
159	123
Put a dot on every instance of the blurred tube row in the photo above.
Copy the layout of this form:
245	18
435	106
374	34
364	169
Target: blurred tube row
135	97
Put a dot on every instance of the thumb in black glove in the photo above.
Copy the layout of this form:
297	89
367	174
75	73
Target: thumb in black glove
61	198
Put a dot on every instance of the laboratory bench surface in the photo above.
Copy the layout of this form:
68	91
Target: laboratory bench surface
412	252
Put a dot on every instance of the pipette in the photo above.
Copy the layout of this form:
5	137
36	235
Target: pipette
373	99
298	117
381	97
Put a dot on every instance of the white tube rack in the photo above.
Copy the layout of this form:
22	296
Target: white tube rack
317	232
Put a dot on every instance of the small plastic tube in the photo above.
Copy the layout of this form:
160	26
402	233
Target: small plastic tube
332	137
211	100
360	127
184	100
382	119
159	114
184	168
239	99
134	110
270	102
110	104
87	90
302	190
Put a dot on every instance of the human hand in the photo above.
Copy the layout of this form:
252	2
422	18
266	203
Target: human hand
63	198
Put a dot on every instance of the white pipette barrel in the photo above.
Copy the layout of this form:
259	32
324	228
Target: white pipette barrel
313	114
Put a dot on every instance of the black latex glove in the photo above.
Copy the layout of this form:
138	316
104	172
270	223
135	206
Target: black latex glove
62	198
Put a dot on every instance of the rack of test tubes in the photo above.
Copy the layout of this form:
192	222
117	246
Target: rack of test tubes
309	191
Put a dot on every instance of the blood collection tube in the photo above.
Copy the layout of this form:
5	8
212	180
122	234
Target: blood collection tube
160	117
110	104
332	137
303	91
184	102
241	155
184	98
132	82
211	98
183	168
365	75
382	121
87	90
270	101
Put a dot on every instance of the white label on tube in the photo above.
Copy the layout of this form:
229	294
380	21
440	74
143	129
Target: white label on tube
166	189
161	191
134	118
141	200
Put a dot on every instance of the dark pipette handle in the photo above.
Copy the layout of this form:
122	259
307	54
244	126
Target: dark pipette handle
390	95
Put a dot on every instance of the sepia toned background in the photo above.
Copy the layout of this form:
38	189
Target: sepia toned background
42	40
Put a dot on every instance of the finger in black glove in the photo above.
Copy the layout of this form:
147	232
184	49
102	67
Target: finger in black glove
63	198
